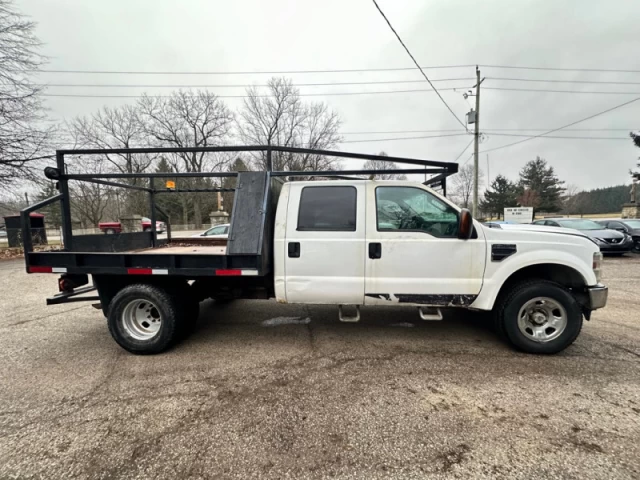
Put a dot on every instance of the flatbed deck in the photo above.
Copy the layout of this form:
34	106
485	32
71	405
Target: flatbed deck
185	249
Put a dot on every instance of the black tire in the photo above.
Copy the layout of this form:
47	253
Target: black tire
110	231
509	306
636	247
167	309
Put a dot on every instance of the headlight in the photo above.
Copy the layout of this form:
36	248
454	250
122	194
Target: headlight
597	266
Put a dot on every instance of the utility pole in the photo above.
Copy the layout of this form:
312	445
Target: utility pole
476	139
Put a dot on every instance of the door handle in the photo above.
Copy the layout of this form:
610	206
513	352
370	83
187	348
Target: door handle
294	249
375	250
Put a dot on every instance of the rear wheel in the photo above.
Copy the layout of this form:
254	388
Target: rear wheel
143	319
539	317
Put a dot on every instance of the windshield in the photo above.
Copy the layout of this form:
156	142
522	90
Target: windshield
579	224
633	223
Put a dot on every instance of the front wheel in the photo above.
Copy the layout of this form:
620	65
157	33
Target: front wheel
143	319
539	317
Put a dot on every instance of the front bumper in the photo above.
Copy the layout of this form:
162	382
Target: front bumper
598	296
625	246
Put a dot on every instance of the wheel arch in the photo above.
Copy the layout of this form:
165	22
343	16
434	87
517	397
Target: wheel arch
559	273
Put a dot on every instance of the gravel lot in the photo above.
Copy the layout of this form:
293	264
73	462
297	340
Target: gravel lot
269	391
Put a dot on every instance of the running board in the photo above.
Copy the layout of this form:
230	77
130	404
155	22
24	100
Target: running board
430	315
69	297
349	319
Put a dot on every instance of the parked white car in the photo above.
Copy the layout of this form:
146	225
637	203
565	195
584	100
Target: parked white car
219	231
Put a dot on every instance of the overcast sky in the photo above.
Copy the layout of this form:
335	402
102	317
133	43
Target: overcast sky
279	35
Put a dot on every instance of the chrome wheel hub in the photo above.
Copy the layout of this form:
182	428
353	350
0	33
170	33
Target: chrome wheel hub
542	319
141	319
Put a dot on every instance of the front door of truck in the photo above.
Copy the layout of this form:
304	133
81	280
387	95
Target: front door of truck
413	253
324	245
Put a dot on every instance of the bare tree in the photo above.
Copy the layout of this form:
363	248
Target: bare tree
188	119
89	200
281	118
118	127
462	185
384	165
24	137
573	200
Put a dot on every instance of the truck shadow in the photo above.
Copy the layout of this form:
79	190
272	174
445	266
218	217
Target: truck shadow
378	322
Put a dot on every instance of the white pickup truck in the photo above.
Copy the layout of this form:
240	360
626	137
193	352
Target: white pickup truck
399	243
348	243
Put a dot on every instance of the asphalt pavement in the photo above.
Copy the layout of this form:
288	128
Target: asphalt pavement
263	390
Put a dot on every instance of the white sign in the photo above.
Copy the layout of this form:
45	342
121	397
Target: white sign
518	214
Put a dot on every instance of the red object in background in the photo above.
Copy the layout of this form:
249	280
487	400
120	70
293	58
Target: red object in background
116	227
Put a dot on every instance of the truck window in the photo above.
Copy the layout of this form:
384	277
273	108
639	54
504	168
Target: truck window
325	209
410	208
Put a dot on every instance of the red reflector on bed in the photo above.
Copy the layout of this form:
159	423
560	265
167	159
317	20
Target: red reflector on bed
139	271
228	272
40	269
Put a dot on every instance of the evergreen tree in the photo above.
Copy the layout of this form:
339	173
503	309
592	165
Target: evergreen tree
541	181
501	193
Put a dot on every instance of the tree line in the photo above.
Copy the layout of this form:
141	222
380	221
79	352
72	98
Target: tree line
539	187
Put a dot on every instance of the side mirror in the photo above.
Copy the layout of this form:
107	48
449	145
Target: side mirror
465	225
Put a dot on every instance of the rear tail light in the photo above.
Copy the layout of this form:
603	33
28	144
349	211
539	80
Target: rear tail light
597	266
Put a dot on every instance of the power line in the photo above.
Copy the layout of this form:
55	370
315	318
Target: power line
626	139
465	149
247	85
553	80
416	63
318	84
563	69
564	126
559	91
322	94
490	131
248	72
402	138
342	70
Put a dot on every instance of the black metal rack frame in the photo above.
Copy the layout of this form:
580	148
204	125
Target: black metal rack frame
441	170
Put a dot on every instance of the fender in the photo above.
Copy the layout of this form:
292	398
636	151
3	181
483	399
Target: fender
497	273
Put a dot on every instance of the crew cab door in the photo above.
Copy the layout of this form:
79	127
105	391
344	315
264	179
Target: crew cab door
324	244
413	253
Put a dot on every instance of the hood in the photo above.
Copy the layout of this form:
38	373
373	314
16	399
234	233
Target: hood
543	228
604	233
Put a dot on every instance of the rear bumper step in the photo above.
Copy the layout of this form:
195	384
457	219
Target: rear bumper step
73	296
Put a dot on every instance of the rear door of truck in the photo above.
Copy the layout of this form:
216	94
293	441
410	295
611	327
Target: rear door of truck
325	243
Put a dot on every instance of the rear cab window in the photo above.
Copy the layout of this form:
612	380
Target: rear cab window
328	209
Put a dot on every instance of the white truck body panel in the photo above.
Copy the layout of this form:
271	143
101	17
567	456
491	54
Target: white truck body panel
331	266
414	267
534	246
417	264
